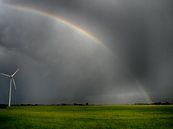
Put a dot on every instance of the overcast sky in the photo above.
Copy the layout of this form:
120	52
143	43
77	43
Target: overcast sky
59	64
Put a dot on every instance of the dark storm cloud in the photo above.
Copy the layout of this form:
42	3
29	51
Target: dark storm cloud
138	32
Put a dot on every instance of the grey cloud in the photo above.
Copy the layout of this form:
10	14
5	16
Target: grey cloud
59	68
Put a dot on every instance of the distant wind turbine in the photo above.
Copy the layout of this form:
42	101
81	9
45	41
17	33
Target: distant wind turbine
11	82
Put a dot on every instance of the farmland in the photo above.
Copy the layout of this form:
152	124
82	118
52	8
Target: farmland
88	117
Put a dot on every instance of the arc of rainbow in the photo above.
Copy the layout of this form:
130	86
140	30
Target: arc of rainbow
58	19
73	26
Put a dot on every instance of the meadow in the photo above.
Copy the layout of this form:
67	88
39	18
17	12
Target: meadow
87	117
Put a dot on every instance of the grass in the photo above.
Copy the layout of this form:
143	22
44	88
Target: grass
87	117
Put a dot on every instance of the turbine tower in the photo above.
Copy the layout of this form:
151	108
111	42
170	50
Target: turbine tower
11	77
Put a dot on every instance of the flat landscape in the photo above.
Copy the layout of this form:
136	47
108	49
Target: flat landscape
88	117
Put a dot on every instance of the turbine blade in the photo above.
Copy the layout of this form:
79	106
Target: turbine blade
6	75
14	84
15	73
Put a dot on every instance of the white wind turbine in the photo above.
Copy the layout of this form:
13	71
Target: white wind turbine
11	82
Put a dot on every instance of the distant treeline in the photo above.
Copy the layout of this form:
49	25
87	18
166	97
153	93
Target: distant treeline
155	103
62	104
79	104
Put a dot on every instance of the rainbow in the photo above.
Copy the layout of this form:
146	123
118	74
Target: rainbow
58	19
77	28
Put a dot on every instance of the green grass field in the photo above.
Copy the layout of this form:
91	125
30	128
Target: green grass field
87	117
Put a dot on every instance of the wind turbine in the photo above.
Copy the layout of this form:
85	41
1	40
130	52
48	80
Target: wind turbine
11	77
